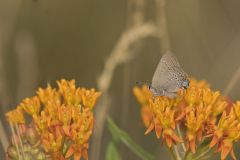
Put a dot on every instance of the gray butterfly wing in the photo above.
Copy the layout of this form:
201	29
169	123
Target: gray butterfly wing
175	80
169	74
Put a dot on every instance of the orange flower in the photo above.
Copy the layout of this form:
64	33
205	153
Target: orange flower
195	123
219	106
237	109
78	152
163	121
147	115
89	97
81	130
80	133
52	144
15	116
142	95
171	137
209	97
70	93
195	111
48	94
63	118
227	131
193	96
42	121
31	105
199	84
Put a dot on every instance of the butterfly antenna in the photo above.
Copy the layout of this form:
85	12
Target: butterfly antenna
141	83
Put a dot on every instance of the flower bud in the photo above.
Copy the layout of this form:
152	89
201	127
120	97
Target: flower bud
41	156
28	156
15	140
34	151
27	148
22	130
32	135
12	152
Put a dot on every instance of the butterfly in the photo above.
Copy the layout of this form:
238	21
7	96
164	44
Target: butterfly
169	77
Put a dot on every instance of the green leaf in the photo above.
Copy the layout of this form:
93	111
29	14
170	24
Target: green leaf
122	136
112	152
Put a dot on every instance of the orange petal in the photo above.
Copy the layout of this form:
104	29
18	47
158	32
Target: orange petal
62	158
227	147
233	155
150	128
69	152
192	146
180	117
85	154
199	135
77	155
213	142
176	138
66	130
219	147
146	115
158	130
169	141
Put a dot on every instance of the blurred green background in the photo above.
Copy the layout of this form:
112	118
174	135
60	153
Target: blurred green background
42	41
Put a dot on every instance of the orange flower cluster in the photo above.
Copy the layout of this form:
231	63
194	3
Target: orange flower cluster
62	117
200	114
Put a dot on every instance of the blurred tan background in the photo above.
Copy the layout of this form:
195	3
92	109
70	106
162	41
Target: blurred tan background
42	41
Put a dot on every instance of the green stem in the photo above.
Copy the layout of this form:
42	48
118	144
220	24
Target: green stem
202	155
65	146
180	135
20	140
171	153
177	153
15	140
119	134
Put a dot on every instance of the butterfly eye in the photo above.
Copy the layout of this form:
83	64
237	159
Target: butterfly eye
185	83
149	87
